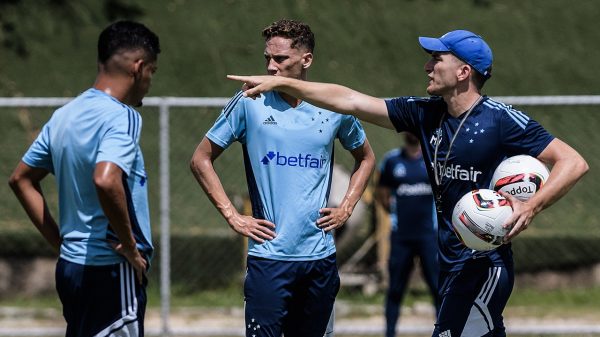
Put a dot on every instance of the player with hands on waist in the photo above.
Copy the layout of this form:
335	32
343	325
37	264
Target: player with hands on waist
288	144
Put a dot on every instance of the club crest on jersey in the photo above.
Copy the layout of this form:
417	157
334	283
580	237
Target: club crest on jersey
474	131
436	138
399	170
300	160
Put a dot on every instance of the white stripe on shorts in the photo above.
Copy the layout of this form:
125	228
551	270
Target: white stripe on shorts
126	325
480	321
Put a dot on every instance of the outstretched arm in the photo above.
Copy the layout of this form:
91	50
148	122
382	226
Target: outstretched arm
325	95
204	171
568	166
364	163
25	183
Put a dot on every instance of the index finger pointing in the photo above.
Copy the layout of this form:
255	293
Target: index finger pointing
237	78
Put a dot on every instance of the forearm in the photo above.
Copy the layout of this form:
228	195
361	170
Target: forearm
359	179
338	98
329	96
113	202
565	173
25	183
208	179
32	199
108	179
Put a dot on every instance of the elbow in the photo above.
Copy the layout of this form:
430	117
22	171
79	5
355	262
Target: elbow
199	163
372	162
14	181
196	166
103	182
583	166
193	165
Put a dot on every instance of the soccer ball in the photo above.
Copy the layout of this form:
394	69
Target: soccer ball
478	218
520	176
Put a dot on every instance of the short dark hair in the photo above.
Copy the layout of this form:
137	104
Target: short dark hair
297	31
127	35
480	79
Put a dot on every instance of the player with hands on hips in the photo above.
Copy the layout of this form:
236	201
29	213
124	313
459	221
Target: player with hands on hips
91	145
464	136
291	279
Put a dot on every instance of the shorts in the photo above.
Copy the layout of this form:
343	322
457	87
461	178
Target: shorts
101	300
329	332
473	299
294	298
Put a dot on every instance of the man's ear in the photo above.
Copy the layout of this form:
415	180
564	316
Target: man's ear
138	66
464	71
307	60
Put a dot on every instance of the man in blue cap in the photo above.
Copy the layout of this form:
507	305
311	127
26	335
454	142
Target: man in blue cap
464	136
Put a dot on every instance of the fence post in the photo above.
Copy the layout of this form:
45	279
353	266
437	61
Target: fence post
165	235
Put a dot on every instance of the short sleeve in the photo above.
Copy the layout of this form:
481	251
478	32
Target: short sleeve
400	113
118	144
410	113
351	133
521	134
230	126
38	154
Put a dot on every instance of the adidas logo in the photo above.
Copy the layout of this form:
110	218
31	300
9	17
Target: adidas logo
445	334
270	121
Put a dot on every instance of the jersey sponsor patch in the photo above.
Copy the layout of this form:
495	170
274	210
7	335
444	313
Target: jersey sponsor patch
299	160
456	171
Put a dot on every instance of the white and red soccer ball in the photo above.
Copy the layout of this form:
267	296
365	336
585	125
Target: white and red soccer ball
479	215
520	176
478	218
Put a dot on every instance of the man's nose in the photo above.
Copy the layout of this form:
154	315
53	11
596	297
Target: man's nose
428	66
271	65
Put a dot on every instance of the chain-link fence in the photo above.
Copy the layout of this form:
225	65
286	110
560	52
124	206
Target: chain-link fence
206	254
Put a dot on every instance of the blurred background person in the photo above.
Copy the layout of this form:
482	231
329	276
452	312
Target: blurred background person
403	190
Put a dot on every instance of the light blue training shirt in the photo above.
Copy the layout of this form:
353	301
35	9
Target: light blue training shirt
288	157
94	127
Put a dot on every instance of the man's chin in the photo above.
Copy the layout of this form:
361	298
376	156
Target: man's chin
432	92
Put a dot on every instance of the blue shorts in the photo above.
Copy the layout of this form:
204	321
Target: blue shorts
101	300
291	297
473	300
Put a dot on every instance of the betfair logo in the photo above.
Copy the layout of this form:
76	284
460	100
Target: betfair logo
300	160
270	121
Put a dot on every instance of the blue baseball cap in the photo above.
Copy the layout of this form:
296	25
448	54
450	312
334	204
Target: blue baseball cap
465	45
